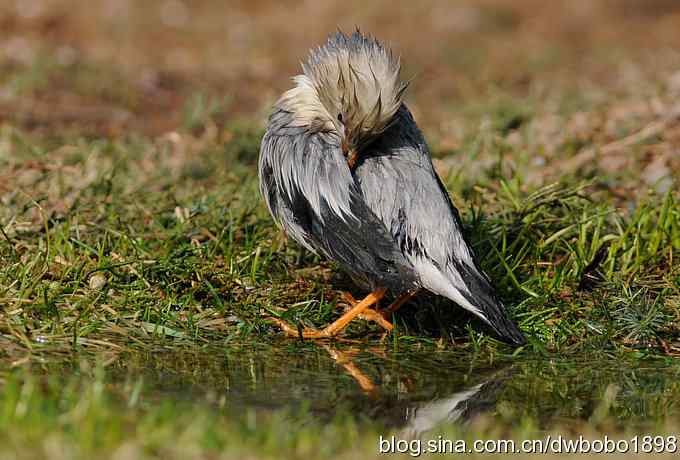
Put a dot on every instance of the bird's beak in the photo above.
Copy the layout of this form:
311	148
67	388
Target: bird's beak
350	154
352	158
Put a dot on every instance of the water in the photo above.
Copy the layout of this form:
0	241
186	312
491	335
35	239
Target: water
412	392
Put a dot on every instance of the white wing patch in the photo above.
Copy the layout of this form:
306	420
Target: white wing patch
439	283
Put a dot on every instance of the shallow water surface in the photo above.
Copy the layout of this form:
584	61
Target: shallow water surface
412	392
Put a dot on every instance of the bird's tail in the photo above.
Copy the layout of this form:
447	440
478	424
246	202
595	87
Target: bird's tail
481	300
468	286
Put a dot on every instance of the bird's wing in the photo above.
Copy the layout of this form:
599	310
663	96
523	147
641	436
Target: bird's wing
400	185
310	191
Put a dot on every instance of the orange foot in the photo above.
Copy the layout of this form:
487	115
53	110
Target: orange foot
338	325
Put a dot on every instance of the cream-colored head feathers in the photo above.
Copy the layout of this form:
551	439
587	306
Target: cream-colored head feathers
350	85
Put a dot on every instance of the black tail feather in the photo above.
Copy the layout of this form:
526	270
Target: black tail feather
482	295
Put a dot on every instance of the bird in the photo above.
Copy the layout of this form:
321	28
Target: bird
345	171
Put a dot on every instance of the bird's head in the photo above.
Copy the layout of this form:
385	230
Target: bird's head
350	86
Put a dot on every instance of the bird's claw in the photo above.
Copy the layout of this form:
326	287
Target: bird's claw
337	326
306	333
369	314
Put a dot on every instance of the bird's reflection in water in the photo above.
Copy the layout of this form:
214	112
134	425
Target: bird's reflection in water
460	407
414	419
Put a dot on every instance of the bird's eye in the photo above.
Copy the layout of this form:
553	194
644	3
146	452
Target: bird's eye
340	117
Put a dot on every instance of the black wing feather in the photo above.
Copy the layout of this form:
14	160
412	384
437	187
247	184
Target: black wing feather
312	194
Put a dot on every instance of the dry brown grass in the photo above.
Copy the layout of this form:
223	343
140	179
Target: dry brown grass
596	78
163	48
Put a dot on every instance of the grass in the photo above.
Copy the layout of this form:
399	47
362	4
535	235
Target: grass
83	418
116	245
131	226
169	237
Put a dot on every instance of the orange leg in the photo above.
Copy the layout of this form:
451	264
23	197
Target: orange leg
401	300
338	325
380	316
370	314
